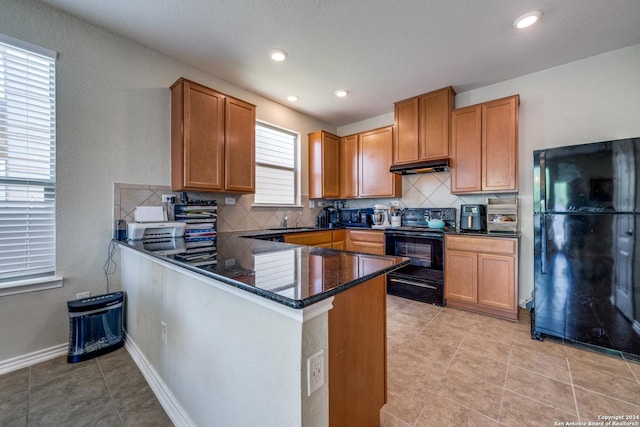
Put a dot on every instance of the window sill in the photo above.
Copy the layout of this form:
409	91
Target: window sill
31	285
268	205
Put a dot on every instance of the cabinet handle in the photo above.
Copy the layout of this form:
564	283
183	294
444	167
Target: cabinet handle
408	282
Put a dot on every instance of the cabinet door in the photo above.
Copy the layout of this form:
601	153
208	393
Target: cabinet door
323	165
349	167
496	281
240	135
314	238
461	279
406	128
435	123
338	240
197	137
499	144
466	148
375	161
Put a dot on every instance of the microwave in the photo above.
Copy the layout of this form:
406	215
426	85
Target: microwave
355	217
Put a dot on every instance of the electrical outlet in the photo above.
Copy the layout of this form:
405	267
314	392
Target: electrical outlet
168	198
81	295
163	327
315	372
229	200
321	203
394	203
312	204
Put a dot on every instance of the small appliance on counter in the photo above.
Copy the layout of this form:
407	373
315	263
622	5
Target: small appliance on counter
355	217
473	217
381	216
150	223
328	218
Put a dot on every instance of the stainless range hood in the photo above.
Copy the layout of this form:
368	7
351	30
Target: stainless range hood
427	166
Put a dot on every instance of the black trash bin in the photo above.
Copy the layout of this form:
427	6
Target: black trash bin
95	326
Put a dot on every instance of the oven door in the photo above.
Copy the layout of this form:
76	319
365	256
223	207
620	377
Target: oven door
423	279
424	249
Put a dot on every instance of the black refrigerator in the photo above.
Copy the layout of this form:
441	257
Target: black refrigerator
587	289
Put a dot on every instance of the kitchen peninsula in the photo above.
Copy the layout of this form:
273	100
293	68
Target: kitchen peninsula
228	343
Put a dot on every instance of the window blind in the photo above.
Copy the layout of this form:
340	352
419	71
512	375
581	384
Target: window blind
27	161
276	168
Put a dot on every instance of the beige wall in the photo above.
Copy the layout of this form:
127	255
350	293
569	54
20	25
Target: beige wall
113	126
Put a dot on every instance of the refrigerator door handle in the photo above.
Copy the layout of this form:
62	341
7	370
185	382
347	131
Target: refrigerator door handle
543	245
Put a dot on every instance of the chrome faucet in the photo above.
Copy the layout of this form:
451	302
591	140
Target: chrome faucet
285	220
297	219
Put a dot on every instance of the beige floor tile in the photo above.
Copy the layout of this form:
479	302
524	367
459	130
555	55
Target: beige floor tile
461	313
635	368
471	392
409	323
550	366
388	420
53	368
626	389
442	412
520	411
472	364
591	405
501	335
495	322
444	334
425	312
486	347
591	360
543	389
405	366
405	400
453	320
14	397
431	349
522	339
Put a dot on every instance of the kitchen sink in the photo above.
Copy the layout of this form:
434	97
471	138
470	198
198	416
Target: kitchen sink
292	229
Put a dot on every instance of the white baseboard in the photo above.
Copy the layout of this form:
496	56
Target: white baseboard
29	359
169	403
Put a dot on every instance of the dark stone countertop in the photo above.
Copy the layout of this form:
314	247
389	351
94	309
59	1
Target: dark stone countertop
293	275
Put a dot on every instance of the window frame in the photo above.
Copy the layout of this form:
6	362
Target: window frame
297	172
27	279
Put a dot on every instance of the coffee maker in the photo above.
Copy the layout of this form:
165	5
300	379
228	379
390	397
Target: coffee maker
328	218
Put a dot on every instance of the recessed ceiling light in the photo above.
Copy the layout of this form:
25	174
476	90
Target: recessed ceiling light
292	98
278	55
341	93
527	20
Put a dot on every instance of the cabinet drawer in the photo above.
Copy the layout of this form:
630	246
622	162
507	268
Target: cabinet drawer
482	244
366	236
313	238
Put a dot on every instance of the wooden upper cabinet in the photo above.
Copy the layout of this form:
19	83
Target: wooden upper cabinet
500	144
212	140
240	151
197	137
423	127
324	152
349	166
466	149
484	147
375	159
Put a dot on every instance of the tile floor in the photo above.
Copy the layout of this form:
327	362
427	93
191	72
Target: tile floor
448	367
106	391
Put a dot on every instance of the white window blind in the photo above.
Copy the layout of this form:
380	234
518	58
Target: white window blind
27	161
276	166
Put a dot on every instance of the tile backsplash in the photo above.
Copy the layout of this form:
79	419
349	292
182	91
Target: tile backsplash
419	191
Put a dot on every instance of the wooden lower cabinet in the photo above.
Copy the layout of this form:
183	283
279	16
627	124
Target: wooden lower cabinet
481	274
357	346
366	241
330	239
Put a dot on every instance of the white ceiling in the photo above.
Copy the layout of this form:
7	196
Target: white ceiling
382	51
